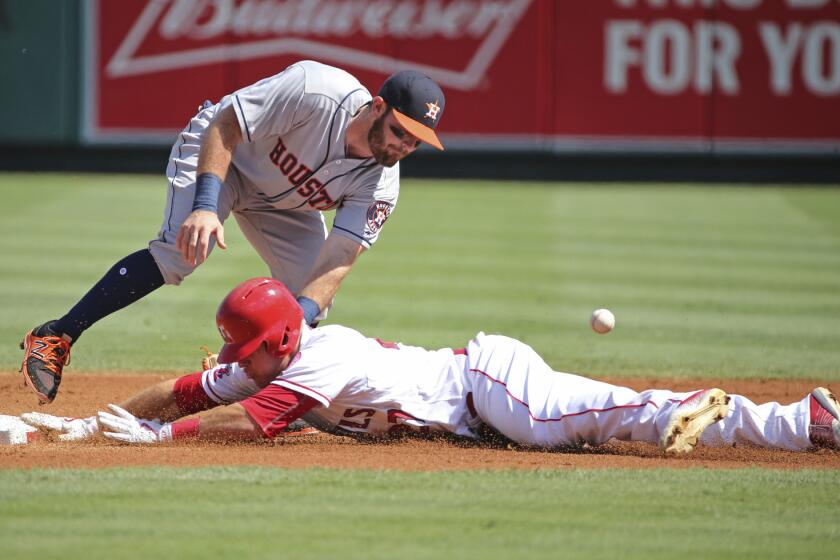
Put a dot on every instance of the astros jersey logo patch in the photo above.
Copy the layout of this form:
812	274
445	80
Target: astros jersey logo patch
377	214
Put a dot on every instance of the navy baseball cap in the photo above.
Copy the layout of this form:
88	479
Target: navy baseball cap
417	102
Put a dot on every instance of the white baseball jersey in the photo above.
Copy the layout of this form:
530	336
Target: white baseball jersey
369	387
365	386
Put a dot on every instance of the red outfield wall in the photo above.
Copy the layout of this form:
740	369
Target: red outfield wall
686	75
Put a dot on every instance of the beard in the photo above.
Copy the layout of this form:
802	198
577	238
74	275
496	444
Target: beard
376	141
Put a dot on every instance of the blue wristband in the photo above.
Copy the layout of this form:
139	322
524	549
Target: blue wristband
207	188
310	309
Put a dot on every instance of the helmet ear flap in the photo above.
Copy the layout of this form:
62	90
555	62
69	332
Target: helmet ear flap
282	348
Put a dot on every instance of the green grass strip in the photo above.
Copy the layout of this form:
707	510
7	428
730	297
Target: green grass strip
275	513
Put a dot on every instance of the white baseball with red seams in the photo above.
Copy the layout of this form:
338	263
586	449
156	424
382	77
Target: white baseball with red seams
368	387
602	321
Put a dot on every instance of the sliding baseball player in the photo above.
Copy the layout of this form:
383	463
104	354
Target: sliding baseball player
275	369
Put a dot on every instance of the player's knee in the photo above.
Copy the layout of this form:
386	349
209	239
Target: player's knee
171	262
175	275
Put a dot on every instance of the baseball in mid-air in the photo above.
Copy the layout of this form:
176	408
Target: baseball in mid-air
602	321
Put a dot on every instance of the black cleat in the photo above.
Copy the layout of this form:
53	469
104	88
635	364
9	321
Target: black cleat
46	354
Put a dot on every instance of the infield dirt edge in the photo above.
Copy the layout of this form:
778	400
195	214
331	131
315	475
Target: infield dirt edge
84	393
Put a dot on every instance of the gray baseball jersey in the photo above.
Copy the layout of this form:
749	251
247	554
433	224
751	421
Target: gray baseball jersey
290	165
293	151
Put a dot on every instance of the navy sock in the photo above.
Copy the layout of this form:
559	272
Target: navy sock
132	278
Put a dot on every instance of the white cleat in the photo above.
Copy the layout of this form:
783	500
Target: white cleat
691	417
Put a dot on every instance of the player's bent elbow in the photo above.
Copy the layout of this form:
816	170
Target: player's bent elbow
157	401
228	126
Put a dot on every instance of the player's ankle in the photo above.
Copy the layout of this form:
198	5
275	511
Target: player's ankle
49	329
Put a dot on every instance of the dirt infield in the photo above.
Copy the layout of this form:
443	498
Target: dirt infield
83	394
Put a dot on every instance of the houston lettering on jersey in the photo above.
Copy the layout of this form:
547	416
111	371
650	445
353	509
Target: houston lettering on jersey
312	189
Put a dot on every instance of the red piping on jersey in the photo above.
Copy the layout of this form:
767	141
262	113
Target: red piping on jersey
471	405
526	405
329	400
691	396
282	420
275	406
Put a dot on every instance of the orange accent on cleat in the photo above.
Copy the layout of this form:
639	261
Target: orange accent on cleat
43	363
298	428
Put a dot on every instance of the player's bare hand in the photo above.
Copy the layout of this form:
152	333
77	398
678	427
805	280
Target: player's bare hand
195	234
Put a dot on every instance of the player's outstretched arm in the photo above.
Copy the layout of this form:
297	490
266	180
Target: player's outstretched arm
219	142
331	267
162	403
226	424
157	401
158	414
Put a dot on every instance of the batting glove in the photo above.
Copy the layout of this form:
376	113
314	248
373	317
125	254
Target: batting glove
70	429
14	431
126	427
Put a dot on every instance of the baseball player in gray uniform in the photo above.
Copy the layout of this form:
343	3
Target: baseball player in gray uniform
275	154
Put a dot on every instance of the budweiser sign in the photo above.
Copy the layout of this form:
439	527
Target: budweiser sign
175	34
518	74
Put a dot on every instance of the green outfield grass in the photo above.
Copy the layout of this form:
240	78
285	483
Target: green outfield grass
704	281
274	513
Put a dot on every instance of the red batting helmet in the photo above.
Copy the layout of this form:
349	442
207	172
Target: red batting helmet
256	311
